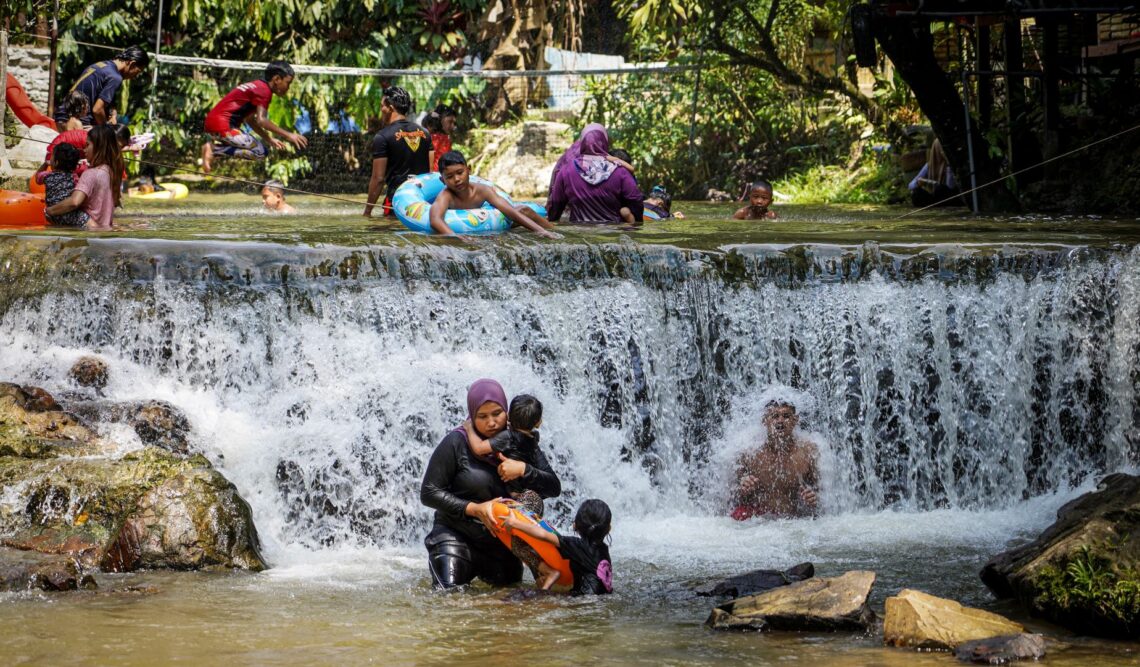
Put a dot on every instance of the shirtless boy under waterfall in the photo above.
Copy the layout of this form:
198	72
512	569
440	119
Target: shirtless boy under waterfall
781	479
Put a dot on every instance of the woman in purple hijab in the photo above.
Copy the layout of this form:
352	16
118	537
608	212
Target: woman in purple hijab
575	150
594	188
460	486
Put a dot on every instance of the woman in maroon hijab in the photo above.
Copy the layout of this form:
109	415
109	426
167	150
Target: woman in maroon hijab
460	486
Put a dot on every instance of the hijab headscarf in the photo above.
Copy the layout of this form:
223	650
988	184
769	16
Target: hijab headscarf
483	391
575	149
591	163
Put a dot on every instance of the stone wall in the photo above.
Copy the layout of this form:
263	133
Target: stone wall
30	67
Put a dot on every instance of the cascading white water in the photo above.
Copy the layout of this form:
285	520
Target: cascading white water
321	392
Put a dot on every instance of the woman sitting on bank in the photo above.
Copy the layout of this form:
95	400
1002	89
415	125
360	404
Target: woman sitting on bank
935	184
592	185
460	486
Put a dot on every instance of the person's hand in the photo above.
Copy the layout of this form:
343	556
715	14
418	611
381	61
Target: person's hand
679	215
510	469
298	140
748	485
484	512
770	214
547	234
276	143
508	521
809	495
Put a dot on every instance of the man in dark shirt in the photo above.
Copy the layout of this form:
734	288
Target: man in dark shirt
403	148
100	82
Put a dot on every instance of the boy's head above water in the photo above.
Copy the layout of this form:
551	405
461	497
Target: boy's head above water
454	171
661	197
273	195
760	194
279	76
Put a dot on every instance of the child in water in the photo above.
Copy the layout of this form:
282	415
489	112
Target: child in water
60	182
759	199
519	442
461	193
441	123
588	554
77	108
273	197
659	203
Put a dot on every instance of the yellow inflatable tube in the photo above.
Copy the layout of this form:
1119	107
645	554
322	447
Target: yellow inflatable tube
546	551
168	191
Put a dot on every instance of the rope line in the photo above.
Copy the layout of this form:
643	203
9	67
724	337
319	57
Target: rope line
1020	171
199	172
221	63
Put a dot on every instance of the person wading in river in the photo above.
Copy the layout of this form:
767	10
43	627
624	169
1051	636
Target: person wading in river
780	479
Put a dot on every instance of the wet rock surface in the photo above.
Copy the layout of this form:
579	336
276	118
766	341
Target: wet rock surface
919	620
71	493
1081	572
757	581
156	423
823	603
89	372
1002	650
29	570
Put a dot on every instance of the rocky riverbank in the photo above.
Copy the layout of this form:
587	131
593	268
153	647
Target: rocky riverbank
76	501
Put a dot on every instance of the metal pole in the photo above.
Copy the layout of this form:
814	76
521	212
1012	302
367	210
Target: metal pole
54	59
154	71
969	140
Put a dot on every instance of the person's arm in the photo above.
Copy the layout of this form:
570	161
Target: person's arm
511	212
379	167
261	120
809	484
919	177
741	213
435	489
99	112
435	217
72	203
534	530
479	446
626	215
620	162
541	478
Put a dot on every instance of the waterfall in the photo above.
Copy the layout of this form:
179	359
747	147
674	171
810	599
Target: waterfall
320	378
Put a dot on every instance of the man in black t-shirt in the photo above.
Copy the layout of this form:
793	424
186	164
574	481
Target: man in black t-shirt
99	83
401	149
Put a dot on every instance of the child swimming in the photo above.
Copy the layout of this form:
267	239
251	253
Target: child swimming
759	199
461	193
588	554
60	182
273	197
659	203
520	443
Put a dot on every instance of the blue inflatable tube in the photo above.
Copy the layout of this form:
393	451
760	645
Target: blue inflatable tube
413	199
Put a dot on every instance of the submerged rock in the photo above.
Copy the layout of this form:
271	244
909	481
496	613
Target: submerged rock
824	603
1002	650
920	620
89	372
758	581
28	570
1082	572
148	508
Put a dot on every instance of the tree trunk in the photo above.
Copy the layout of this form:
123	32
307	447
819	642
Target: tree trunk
910	47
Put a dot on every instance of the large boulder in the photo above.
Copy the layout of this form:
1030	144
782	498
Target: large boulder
147	508
822	603
757	581
919	620
1082	572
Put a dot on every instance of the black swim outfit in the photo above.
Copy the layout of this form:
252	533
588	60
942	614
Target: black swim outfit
460	547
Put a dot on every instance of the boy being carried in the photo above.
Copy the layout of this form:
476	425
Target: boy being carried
249	104
461	193
520	443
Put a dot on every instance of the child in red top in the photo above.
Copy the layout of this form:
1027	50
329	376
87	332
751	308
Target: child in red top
248	103
441	123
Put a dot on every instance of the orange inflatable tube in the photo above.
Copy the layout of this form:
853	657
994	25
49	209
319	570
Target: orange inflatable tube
546	551
21	210
27	112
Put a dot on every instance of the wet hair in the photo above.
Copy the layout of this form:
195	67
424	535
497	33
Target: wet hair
451	158
525	412
122	134
621	154
65	158
136	55
761	184
105	151
278	68
593	521
779	403
434	120
77	105
276	187
398	99
662	194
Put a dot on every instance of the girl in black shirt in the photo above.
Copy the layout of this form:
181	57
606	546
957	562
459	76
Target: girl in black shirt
588	555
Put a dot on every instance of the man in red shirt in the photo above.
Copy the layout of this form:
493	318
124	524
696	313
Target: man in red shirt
248	104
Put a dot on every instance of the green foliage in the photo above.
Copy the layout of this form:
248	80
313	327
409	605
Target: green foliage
1089	583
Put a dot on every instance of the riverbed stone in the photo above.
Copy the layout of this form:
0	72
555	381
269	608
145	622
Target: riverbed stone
90	372
1002	650
145	508
920	620
822	603
1082	572
156	423
757	581
29	570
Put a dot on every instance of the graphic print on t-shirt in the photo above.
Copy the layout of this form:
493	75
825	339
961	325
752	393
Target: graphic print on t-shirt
412	139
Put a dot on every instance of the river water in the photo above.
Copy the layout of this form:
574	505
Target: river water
963	377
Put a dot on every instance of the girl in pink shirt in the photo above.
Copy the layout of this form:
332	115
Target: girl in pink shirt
97	192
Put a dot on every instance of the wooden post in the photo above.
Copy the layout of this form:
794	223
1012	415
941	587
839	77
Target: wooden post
54	59
1052	88
1014	88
